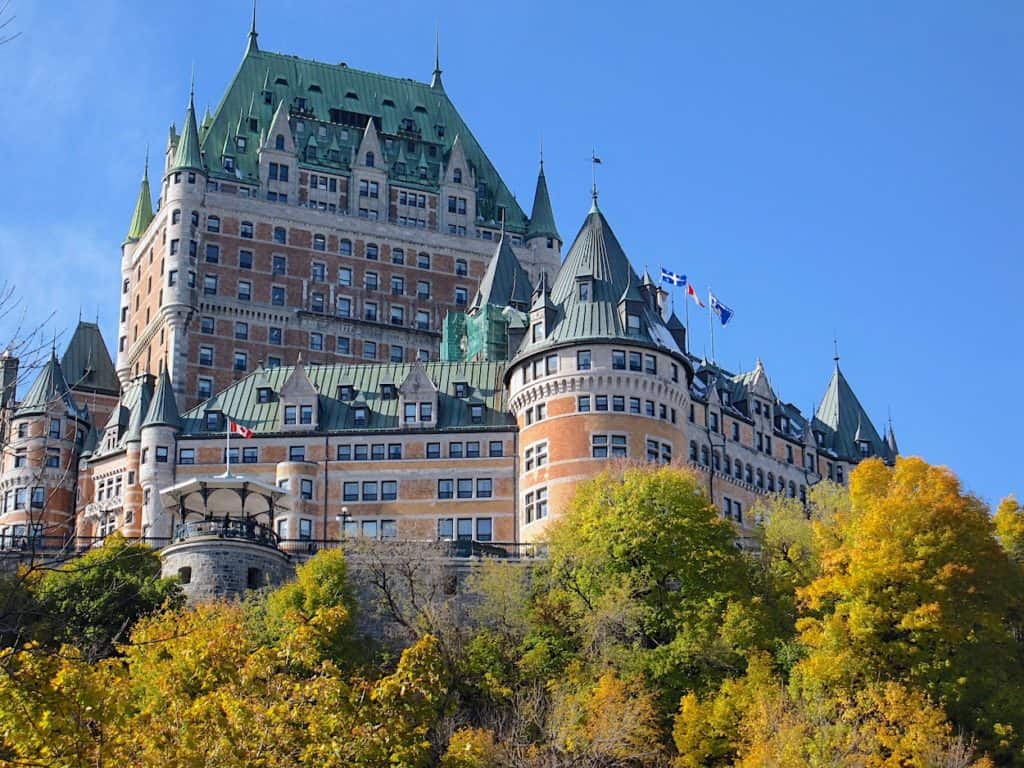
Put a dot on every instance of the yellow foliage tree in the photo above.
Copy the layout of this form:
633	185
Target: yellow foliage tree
1009	520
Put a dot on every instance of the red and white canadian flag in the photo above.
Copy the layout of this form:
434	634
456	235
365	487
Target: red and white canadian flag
693	295
237	429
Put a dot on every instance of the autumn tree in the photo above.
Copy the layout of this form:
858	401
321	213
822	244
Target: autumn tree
1009	520
914	589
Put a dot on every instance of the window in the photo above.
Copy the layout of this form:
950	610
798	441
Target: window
306	489
433	450
394	451
343	345
345	247
389	490
305	414
244	290
212	253
209	285
736	431
461	296
241	330
206	355
204	389
583	403
296	453
245	259
650	364
618	360
370	350
371	251
350	491
583	360
172	277
635	361
423	260
584	290
601	402
484	488
275	335
445	489
423	319
461	268
53	458
213	224
161	454
277	295
319	244
464	488
245	230
250	455
241	360
360	415
495	448
476	413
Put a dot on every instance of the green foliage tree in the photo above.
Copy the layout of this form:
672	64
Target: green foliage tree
92	602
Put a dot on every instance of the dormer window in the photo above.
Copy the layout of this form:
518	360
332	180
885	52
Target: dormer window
213	420
726	397
586	288
370	160
229	163
361	415
346	392
476	413
241	143
632	323
264	395
279	142
865	448
537	332
457	176
819	438
388	391
461	389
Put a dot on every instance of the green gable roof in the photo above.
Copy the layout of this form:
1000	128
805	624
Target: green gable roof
542	218
341	99
241	402
87	362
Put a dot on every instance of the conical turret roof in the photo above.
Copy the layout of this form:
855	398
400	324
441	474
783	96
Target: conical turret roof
86	362
143	213
163	410
542	218
49	388
189	154
845	417
505	282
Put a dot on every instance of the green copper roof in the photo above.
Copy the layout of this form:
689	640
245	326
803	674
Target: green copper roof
542	218
240	401
842	413
143	213
49	388
139	407
505	282
189	155
597	260
341	100
163	411
87	362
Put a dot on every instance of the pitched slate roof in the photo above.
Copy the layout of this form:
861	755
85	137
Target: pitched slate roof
87	362
240	401
597	257
842	413
163	410
354	96
49	388
542	217
505	282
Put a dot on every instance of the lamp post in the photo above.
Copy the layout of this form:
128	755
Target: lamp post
342	519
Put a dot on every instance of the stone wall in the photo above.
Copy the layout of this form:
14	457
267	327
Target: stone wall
224	568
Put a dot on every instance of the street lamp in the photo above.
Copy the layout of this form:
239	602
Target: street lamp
342	519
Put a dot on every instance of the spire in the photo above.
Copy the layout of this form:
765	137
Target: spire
253	46
189	154
163	411
143	213
890	440
542	218
841	412
435	81
505	282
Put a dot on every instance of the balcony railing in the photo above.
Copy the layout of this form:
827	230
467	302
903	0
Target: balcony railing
247	530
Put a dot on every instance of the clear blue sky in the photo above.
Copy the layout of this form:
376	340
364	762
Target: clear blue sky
847	168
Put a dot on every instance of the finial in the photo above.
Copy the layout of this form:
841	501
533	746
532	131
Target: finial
435	81
835	350
145	167
542	153
192	88
253	45
594	162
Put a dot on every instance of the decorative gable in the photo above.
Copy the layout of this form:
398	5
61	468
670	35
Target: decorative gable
299	402
418	399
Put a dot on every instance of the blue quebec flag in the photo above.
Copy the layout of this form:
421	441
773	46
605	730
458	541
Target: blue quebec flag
672	278
724	313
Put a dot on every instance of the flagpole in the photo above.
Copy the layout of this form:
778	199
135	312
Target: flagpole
686	303
227	450
711	325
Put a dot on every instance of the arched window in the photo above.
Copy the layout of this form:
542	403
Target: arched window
771	482
175	216
184	575
750	474
461	268
369	160
279	141
760	479
345	248
693	450
457	175
739	470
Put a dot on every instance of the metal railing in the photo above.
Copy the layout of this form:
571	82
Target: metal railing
461	549
230	528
